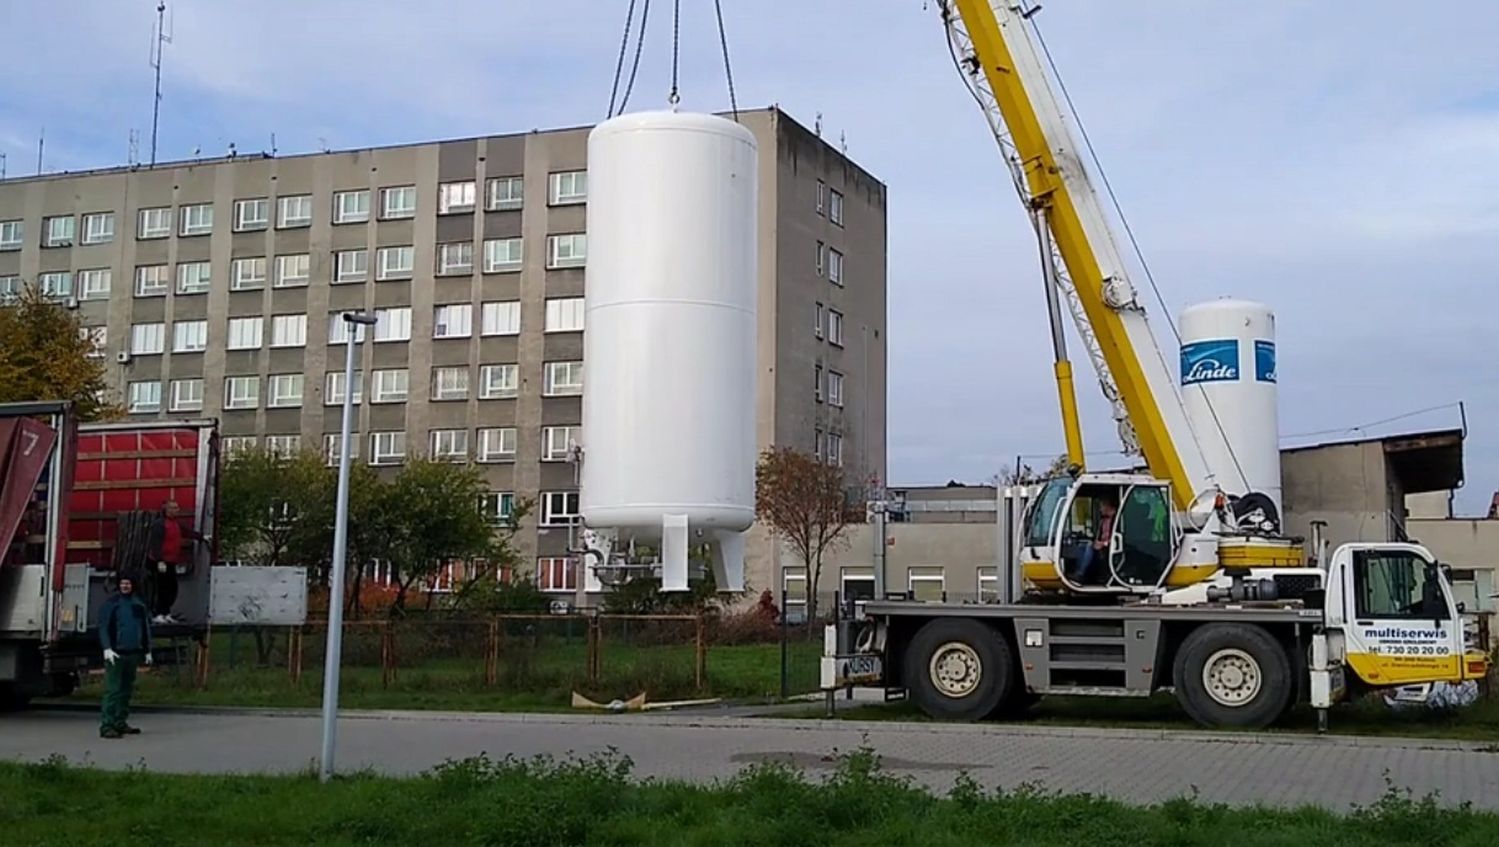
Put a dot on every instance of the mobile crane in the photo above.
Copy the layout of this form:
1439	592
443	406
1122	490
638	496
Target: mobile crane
1205	597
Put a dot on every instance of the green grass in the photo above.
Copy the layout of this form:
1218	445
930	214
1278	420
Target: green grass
596	801
1479	722
538	678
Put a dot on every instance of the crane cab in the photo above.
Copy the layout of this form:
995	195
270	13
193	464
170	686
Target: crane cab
1119	534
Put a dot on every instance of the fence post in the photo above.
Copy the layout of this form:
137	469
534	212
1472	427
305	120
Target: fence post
701	665
387	655
785	636
492	654
594	640
205	651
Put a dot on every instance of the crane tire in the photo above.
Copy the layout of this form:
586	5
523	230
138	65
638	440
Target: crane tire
1233	675
959	670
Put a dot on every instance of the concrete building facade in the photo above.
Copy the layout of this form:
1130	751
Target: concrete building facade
214	288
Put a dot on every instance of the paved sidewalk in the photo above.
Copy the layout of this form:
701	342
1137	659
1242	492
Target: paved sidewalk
1131	765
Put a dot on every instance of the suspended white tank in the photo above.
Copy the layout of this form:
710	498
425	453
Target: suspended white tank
669	341
1228	385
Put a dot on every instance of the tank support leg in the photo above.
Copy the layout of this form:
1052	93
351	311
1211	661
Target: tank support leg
673	552
728	561
1321	721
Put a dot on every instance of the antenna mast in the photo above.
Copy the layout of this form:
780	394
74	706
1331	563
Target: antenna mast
160	41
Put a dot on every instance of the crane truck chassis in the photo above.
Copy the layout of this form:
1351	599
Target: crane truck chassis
1378	616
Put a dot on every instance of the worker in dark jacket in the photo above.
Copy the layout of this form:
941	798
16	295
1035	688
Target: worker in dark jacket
164	552
125	633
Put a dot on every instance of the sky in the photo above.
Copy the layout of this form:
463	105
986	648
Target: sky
1338	161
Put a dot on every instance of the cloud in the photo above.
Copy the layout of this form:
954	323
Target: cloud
1338	164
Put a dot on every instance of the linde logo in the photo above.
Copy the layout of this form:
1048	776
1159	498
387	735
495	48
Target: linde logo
1264	361
1215	360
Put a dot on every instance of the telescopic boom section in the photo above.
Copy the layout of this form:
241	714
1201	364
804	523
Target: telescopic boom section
1056	183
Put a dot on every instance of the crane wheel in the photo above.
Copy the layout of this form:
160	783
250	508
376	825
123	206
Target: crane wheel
1233	675
959	670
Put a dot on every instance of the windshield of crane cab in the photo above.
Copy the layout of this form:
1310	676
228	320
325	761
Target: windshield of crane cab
1044	509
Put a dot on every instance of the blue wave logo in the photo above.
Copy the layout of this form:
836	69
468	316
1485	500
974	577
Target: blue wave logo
1215	360
1264	361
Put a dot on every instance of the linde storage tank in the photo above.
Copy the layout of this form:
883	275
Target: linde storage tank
669	341
1228	383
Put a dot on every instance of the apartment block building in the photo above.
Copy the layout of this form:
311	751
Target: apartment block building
215	288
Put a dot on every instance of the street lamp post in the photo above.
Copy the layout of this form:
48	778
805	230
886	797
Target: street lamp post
354	324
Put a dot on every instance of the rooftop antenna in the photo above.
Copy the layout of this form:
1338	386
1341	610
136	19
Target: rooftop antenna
41	141
2	166
273	144
817	125
843	142
162	39
133	154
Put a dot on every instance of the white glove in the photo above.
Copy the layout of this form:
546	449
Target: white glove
148	658
161	567
110	656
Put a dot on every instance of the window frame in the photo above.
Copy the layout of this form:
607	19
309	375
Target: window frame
510	265
378	392
204	282
502	308
564	307
199	327
503	434
558	180
342	216
567	515
155	329
454	392
241	401
451	265
360	274
133	407
383	272
493	202
187	227
159	288
402	213
383	320
388	458
236	278
177	403
503	393
445	202
242	224
274	397
51	239
298	320
284	281
89	236
257	321
456	452
554	243
293	202
572	388
551	451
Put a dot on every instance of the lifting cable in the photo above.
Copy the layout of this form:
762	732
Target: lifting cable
728	71
645	14
618	102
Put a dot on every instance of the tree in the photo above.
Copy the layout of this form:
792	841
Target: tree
1026	475
276	509
45	354
807	503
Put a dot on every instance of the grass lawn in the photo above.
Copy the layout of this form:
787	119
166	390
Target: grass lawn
537	678
596	801
1479	722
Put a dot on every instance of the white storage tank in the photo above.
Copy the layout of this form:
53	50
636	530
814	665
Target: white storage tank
1228	385
669	343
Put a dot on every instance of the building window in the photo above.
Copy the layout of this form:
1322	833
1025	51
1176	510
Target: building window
193	278
450	445
497	444
557	442
98	228
351	266
351	207
390	386
569	187
794	593
294	211
856	583
556	574
835	207
820	444
387	448
10	289
817	383
502	318
821	319
565	314
333	444
144	397
245	333
249	274
835	327
927	584
293	270
563	379
58	231
498	382
501	255
398	202
559	508
94	283
148	339
189	336
835	449
56	285
11	235
187	395
395	262
988	585
333	388
835	267
283	445
197	219
155	223
252	214
822	190
498	506
339	329
455	258
505	193
455	197
450	383
152	281
286	390
822	254
835	388
288	330
567	251
393	324
98	337
241	392
233	445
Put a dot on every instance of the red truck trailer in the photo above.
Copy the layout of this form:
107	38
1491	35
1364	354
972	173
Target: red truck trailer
64	490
